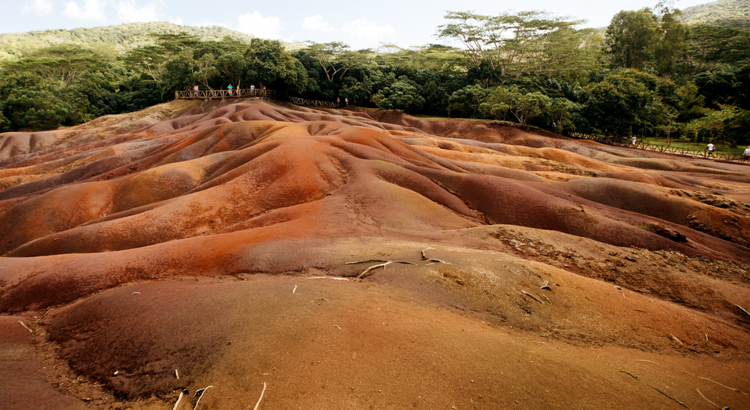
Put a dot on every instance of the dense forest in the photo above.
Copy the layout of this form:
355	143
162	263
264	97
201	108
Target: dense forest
647	74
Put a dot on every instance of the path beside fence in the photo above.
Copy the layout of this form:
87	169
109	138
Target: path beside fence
661	148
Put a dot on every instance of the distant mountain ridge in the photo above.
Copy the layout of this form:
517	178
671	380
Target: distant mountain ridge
119	38
734	13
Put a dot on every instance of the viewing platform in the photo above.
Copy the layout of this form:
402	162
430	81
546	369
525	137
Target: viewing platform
222	94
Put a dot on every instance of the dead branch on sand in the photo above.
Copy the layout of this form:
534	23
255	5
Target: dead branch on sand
546	286
176	374
327	277
743	310
715	405
425	258
25	327
676	339
201	392
531	295
261	397
365	261
178	402
382	265
665	394
730	388
295	289
620	289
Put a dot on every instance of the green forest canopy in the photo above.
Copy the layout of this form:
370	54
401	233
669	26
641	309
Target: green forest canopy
647	74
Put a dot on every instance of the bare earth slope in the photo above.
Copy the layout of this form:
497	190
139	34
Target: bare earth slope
352	259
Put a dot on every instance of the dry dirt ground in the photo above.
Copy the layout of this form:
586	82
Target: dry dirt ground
246	254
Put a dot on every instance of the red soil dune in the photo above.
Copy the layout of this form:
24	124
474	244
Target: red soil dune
520	269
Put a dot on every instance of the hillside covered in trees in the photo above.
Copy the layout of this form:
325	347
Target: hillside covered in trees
111	39
647	75
734	13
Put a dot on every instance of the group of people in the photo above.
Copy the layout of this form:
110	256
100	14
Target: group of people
338	100
745	155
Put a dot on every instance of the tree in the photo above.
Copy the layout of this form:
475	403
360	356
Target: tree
523	106
671	49
270	64
468	99
630	38
510	43
400	96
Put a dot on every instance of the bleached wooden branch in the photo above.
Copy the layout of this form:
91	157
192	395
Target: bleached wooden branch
261	397
382	265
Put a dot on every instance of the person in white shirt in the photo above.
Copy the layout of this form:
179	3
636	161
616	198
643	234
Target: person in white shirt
710	150
746	154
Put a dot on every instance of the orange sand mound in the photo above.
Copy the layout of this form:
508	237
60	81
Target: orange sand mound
173	238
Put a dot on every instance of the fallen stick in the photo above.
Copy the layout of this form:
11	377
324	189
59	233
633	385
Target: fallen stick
722	385
620	289
327	277
295	289
647	361
532	296
670	397
382	265
319	299
337	326
676	339
367	261
545	296
202	392
715	405
177	374
178	402
424	257
261	397
743	310
25	327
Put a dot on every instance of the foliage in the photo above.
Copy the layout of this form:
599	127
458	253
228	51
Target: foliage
401	95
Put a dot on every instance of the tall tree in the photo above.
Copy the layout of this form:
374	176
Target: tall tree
630	38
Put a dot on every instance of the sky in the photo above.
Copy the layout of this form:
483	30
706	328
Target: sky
358	23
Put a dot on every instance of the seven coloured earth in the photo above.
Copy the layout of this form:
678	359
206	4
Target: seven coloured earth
253	254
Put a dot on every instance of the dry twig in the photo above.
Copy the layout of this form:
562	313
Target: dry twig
178	402
177	374
676	339
531	295
202	392
722	385
715	405
365	261
25	327
261	397
382	265
295	289
327	277
743	310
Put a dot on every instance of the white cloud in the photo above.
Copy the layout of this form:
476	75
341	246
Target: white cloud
259	26
40	7
316	23
91	10
177	20
129	12
367	30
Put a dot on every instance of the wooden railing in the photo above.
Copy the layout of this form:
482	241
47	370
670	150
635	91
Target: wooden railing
222	94
693	153
314	103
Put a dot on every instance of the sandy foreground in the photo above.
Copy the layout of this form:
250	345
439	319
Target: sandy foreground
256	255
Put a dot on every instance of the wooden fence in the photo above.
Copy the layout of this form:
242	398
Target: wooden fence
314	103
222	94
693	153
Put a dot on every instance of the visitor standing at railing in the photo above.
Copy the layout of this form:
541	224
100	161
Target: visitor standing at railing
710	150
746	154
252	89
229	88
195	91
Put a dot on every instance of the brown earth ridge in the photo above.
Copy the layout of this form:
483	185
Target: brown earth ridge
347	259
